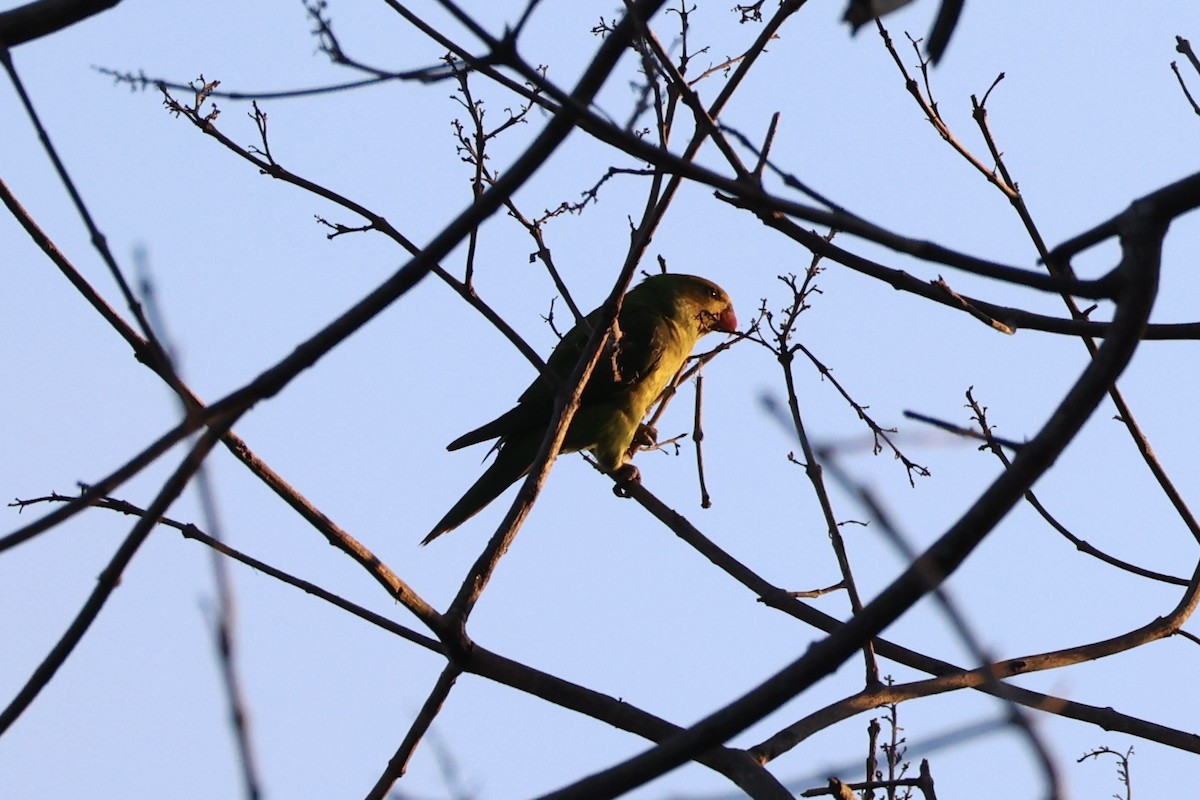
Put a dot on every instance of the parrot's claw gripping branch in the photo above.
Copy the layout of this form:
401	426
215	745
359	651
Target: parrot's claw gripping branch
645	438
625	475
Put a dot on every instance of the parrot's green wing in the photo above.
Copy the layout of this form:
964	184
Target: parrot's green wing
639	353
536	403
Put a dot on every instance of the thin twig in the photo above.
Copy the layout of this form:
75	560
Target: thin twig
398	764
698	438
110	577
991	443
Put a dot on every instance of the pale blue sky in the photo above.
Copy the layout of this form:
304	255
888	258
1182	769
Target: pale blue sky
1089	117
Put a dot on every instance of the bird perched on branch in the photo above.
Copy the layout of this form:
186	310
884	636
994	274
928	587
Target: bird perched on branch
660	322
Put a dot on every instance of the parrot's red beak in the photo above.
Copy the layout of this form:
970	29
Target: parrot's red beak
726	321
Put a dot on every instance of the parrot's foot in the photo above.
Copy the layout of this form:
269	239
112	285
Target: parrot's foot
646	436
625	475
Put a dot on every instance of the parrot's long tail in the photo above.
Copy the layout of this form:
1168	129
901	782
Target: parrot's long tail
510	465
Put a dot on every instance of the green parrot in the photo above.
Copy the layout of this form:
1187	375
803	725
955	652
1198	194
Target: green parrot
660	322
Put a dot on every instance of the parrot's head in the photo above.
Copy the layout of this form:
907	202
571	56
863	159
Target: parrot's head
703	301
